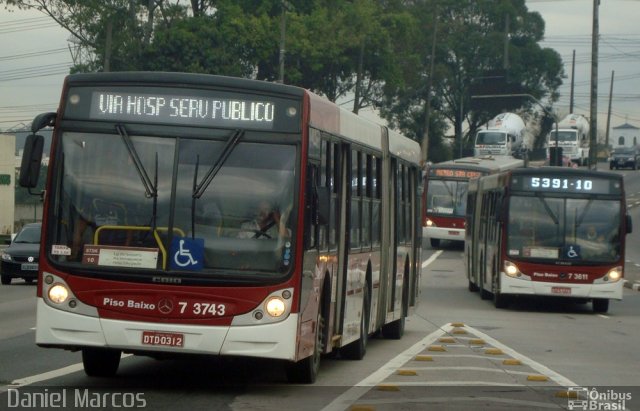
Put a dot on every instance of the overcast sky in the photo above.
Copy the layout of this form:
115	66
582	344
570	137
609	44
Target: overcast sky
35	56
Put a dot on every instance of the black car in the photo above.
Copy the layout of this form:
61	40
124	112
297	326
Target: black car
625	157
20	259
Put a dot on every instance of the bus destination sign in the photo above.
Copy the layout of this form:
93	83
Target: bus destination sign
193	110
454	172
566	183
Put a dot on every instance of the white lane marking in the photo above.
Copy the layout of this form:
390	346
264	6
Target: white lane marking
349	397
45	376
432	258
70	369
557	378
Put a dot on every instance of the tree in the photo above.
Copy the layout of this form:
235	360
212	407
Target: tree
470	48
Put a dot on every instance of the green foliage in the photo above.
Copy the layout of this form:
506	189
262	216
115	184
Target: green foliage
379	52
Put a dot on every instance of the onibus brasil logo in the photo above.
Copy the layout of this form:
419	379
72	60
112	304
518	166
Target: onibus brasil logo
583	398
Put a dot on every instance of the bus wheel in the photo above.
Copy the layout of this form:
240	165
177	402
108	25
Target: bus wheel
600	305
357	349
394	330
100	362
435	242
305	371
472	287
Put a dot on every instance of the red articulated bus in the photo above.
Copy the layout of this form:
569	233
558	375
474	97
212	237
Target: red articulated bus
445	196
202	214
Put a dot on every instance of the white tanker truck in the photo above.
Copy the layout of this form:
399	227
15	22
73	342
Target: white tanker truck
573	137
504	135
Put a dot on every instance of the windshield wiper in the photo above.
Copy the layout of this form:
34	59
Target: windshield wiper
548	209
199	190
151	189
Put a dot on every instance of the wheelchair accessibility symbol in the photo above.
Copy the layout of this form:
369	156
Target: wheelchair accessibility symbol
572	252
187	253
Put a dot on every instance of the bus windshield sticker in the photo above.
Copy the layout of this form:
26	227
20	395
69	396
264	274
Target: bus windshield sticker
113	256
187	253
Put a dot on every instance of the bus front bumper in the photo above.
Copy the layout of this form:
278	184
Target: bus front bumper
443	233
62	329
605	290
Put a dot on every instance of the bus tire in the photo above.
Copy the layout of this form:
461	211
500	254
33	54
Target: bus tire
394	330
100	362
600	305
435	242
472	287
357	349
306	371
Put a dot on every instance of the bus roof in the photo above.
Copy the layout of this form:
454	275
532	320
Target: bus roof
485	164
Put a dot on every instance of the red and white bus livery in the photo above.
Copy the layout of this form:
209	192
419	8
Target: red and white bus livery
548	231
445	196
203	214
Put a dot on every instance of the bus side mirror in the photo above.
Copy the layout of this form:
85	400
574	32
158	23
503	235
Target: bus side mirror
31	159
629	224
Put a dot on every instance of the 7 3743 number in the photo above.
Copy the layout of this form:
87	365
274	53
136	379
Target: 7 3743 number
202	309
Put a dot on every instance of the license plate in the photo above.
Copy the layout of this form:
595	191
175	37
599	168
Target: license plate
453	233
561	290
162	339
29	266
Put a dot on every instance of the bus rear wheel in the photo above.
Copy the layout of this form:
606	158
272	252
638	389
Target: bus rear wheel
435	242
100	362
600	305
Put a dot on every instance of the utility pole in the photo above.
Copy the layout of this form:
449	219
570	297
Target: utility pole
593	132
427	110
606	141
573	79
283	28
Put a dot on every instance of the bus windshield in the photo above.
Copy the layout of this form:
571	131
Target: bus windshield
102	200
584	230
447	197
491	138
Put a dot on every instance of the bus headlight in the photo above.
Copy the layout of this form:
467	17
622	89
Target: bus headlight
511	269
430	223
614	274
275	307
58	293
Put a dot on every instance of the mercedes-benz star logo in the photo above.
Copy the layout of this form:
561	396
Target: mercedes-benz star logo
30	259
165	306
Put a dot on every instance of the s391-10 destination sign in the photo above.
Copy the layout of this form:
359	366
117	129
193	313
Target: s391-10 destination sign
587	184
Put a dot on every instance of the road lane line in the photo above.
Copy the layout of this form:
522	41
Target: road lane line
432	258
70	369
349	397
557	378
352	395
